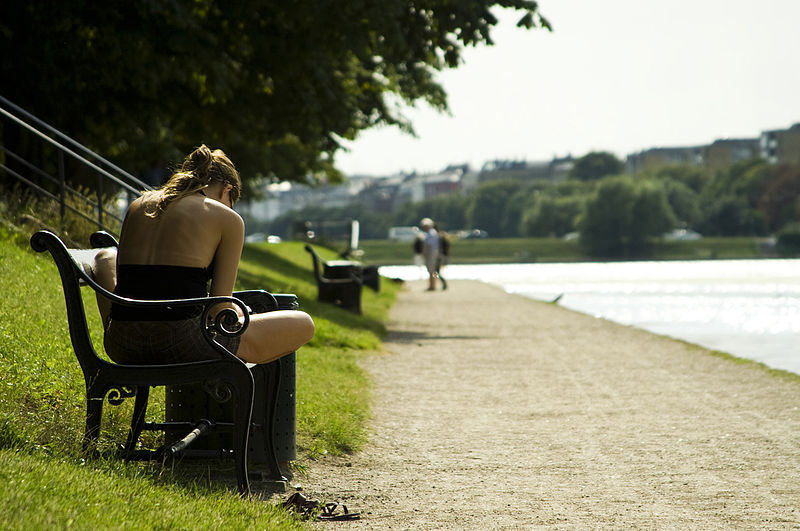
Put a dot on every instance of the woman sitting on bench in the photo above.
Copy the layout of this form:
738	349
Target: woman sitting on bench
175	240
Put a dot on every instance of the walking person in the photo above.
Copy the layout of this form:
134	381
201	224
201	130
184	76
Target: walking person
444	255
430	250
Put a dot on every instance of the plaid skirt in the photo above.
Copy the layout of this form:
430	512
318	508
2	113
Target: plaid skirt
158	342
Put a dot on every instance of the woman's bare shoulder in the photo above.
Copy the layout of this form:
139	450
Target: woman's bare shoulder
143	200
224	212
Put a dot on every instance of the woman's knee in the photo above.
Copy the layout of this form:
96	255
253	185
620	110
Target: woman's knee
105	268
305	326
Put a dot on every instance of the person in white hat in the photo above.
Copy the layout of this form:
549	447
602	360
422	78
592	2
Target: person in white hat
430	250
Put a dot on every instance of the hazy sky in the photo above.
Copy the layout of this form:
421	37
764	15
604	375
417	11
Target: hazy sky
616	75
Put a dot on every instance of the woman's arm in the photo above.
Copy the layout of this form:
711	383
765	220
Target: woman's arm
229	251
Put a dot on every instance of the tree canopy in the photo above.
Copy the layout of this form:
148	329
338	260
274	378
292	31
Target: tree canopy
278	85
624	215
596	165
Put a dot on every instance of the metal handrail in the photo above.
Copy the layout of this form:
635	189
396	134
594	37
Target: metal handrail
72	142
66	146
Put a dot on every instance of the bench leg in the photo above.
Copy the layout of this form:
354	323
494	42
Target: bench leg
241	432
94	413
273	380
137	421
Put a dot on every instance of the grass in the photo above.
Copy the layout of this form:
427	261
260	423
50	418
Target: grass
522	250
58	493
45	482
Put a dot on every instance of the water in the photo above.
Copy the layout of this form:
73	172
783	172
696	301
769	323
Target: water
748	308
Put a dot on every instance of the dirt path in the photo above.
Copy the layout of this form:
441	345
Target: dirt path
493	411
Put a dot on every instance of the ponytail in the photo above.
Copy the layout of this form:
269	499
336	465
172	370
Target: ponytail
199	169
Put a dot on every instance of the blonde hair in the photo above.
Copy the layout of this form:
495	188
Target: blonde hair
199	169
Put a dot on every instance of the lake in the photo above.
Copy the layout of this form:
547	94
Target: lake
747	308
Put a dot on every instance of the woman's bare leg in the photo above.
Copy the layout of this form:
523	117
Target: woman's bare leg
105	274
274	334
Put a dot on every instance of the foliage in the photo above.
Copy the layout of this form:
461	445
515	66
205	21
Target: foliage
731	215
607	216
780	200
789	239
751	198
22	207
448	211
278	85
652	214
623	216
551	215
684	200
487	209
694	177
596	165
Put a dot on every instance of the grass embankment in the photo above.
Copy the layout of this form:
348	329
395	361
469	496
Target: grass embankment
522	250
44	480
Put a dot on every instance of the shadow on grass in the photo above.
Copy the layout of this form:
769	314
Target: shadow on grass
302	283
394	336
276	263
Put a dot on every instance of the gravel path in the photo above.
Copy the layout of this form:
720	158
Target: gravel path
493	411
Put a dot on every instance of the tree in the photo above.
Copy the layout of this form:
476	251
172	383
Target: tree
731	215
596	165
513	212
624	216
488	206
448	211
683	200
694	177
551	216
780	202
652	215
606	217
276	84
746	179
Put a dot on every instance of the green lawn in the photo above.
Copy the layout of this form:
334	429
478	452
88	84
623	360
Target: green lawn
521	250
44	480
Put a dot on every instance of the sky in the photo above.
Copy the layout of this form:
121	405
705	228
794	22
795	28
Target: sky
618	75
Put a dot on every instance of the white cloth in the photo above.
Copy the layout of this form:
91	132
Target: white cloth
430	250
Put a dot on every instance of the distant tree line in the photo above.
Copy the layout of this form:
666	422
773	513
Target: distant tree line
615	214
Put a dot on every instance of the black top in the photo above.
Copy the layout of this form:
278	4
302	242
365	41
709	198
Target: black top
159	282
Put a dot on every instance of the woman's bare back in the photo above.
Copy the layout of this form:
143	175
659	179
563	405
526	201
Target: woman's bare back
195	231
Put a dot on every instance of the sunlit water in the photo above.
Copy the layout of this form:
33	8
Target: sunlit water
748	308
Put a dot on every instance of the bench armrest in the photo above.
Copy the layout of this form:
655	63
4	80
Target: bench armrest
225	322
258	300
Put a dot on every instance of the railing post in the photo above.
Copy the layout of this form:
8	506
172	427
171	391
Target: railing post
62	185
100	202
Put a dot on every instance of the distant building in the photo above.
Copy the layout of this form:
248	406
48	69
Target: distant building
775	146
654	158
285	197
380	194
524	171
781	145
722	154
447	182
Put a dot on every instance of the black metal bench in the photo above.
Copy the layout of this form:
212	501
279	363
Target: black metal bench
227	379
338	283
